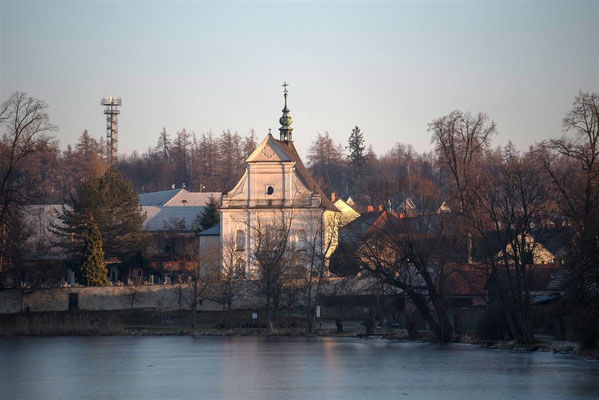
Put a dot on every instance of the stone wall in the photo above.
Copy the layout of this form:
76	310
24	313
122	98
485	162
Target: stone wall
158	297
152	297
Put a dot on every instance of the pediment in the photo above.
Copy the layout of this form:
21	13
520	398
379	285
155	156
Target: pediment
240	190
299	188
269	151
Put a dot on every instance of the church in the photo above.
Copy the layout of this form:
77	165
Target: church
276	190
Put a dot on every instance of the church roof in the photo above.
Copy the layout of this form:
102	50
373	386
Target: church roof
305	175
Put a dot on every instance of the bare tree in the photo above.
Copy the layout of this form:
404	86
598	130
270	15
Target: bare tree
270	251
510	215
572	162
200	277
413	253
316	244
134	287
229	278
26	125
461	140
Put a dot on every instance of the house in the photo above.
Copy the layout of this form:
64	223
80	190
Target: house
172	220
276	192
348	213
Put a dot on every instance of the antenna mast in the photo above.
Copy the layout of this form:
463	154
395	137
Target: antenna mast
112	111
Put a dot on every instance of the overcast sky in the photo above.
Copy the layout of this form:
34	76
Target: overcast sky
389	68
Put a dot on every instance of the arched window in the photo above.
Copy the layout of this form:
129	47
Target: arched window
302	241
240	240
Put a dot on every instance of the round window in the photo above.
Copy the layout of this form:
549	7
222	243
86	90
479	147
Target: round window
270	190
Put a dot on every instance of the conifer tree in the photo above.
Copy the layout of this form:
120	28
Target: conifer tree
111	201
210	216
357	159
93	269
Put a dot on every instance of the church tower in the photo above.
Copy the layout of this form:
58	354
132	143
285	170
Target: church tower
286	120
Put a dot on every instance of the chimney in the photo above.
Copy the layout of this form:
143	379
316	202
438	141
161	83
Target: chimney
333	197
370	209
380	207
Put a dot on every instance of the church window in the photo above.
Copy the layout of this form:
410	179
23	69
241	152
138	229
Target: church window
240	240
301	240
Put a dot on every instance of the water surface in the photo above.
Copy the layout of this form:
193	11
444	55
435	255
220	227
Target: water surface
183	367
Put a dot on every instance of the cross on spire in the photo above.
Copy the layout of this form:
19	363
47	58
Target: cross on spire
285	119
269	130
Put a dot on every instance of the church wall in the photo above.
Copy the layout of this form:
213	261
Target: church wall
251	220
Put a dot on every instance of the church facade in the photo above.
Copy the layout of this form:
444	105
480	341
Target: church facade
276	191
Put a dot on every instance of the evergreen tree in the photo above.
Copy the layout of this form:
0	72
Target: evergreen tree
357	160
113	204
210	216
93	269
161	162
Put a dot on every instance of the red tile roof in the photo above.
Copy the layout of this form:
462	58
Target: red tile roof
465	280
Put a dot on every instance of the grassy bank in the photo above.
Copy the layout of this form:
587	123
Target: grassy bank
60	324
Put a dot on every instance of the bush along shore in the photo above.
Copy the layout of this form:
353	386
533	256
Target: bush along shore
170	323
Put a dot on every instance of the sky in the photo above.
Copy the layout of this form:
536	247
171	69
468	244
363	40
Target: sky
388	67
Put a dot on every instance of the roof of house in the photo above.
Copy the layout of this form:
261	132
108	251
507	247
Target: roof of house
548	277
177	198
168	218
214	231
359	226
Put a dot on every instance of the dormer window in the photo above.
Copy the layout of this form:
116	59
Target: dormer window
270	190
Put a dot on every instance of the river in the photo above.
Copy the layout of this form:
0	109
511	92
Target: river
184	367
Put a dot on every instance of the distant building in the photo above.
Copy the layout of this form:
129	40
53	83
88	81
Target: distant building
172	221
176	209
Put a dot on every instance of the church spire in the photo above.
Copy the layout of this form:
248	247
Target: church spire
286	119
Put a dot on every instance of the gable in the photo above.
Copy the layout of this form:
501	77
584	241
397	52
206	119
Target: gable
348	214
240	190
269	151
540	254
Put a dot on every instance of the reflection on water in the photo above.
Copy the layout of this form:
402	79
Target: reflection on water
281	368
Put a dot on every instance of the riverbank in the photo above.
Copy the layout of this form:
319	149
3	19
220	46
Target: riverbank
177	323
